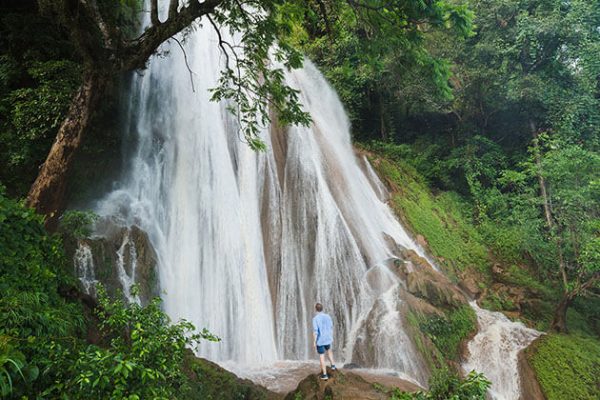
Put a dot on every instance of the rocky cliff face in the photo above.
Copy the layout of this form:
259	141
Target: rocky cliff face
117	257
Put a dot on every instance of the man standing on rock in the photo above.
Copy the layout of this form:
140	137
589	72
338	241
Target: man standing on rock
323	335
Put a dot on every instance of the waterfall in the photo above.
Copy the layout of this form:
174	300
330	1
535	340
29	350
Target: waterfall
494	350
83	261
247	242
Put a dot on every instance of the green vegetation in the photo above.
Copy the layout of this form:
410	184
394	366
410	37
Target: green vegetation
441	219
138	352
482	116
445	385
447	333
38	75
567	366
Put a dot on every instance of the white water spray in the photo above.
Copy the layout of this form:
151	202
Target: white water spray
494	350
247	242
83	260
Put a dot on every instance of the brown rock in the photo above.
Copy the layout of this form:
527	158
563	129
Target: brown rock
530	388
425	282
470	285
348	386
421	241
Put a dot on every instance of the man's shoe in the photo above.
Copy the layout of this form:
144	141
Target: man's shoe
333	368
324	377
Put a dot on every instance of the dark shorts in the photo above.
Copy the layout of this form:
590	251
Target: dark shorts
323	349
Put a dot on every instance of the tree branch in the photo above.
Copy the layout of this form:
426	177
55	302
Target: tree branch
173	5
154	13
137	51
187	64
91	6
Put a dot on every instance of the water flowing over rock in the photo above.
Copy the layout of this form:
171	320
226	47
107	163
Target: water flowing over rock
246	242
495	349
117	257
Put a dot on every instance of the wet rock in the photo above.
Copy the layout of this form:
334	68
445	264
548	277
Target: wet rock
348	386
421	241
530	388
425	282
117	257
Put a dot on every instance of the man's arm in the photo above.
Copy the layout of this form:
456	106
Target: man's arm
315	332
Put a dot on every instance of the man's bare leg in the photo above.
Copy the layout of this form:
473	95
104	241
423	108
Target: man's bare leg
322	359
330	355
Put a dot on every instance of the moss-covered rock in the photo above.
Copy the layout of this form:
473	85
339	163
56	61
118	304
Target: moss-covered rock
116	257
209	381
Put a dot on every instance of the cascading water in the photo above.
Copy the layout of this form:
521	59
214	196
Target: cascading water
247	242
84	268
494	350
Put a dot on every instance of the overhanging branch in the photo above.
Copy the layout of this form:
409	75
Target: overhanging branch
137	52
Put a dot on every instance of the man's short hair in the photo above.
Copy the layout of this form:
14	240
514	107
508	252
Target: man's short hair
319	307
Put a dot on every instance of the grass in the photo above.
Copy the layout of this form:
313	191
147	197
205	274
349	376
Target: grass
441	219
567	366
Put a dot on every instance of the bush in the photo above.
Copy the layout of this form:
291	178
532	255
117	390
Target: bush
32	313
448	332
143	358
445	385
43	352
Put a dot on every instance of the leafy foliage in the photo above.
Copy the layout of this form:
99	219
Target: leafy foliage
373	51
42	348
447	386
448	332
143	358
77	223
38	76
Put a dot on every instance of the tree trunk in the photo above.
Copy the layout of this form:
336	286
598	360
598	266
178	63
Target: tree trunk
559	323
47	194
541	180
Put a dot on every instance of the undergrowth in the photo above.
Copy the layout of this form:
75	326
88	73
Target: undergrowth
567	366
441	219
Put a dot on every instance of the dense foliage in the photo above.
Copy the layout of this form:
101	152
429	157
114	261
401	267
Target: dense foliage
447	386
516	133
38	75
43	348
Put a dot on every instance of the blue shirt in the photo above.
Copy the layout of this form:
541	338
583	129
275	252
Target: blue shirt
323	329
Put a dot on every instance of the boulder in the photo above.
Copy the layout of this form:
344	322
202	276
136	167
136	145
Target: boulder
210	381
423	281
116	257
348	386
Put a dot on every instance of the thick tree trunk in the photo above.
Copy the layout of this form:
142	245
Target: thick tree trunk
47	194
559	323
